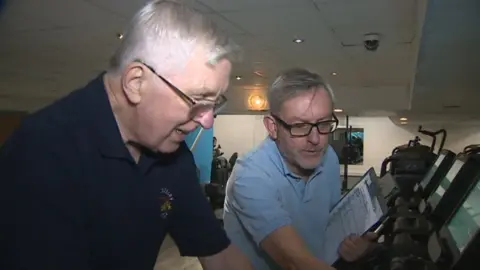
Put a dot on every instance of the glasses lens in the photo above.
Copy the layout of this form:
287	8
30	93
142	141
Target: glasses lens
220	105
300	130
204	107
327	127
201	108
305	129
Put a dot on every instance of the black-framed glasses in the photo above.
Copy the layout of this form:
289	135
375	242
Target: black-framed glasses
304	129
197	107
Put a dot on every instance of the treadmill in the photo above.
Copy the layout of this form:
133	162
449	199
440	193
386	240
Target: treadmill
451	191
429	183
432	214
456	246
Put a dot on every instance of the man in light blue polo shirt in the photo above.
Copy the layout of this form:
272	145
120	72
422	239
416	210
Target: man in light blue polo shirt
280	194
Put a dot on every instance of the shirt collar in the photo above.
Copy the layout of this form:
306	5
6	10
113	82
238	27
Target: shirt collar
110	142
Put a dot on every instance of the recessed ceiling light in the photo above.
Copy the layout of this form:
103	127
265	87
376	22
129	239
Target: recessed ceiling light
403	123
298	40
238	78
403	119
120	36
338	110
334	73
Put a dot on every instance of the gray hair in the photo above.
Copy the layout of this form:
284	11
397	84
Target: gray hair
293	82
165	33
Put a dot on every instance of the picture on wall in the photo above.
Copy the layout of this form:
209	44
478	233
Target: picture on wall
349	150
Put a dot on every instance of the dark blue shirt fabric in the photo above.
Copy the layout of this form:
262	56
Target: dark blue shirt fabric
72	197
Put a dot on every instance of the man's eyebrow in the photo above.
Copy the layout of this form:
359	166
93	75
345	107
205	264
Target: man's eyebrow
299	120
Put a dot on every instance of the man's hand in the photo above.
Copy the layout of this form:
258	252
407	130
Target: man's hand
354	247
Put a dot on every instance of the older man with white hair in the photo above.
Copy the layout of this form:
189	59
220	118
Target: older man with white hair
97	179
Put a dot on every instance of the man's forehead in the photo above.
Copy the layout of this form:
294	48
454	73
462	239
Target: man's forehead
208	80
310	107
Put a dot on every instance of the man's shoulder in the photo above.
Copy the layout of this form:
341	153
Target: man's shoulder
331	158
53	126
258	167
262	158
38	135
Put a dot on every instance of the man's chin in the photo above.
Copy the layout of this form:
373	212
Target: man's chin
168	147
310	163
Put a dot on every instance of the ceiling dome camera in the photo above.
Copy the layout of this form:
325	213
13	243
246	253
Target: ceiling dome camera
371	41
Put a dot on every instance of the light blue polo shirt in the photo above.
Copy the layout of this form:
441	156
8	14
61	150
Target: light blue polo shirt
263	195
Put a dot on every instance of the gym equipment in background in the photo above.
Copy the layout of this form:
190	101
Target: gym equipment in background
437	229
409	163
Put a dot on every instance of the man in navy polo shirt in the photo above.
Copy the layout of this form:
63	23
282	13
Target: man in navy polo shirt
96	180
280	194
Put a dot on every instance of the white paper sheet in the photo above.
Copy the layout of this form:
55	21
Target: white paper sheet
354	214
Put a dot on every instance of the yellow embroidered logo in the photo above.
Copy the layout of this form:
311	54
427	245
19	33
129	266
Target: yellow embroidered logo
166	199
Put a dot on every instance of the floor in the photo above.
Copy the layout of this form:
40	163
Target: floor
170	259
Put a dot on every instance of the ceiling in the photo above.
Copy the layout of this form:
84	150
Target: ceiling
51	47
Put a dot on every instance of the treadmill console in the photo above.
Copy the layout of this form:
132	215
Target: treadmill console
459	239
453	189
437	172
444	184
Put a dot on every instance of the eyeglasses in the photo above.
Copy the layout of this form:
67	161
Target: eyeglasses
197	107
304	129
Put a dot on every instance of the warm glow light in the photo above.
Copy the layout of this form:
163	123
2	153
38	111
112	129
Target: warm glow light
338	110
334	73
256	102
298	40
403	119
403	123
238	78
120	36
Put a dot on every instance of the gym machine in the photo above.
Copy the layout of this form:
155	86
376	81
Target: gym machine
437	228
409	163
427	185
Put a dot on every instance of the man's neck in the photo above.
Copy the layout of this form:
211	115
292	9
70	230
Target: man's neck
121	112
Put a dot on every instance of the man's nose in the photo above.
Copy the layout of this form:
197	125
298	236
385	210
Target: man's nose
205	119
314	136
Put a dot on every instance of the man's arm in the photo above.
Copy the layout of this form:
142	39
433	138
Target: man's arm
229	258
287	248
257	205
41	227
196	230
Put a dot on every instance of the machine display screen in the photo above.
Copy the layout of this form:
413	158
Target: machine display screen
432	171
445	183
466	221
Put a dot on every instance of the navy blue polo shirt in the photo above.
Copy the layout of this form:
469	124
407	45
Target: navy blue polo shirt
72	196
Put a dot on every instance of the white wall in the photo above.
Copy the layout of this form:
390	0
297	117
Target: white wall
241	133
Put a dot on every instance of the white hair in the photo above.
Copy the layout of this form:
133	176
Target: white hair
165	33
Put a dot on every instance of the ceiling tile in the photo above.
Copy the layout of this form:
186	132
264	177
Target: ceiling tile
278	22
252	5
54	11
127	9
370	12
388	35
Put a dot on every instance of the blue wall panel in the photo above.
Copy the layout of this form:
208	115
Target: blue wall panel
203	152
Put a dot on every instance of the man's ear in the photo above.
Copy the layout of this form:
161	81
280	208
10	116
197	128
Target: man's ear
132	81
271	126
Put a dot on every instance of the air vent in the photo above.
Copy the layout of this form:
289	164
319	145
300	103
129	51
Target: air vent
451	106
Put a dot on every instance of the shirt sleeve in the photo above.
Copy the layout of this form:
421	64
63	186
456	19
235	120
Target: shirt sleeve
193	226
256	201
41	227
